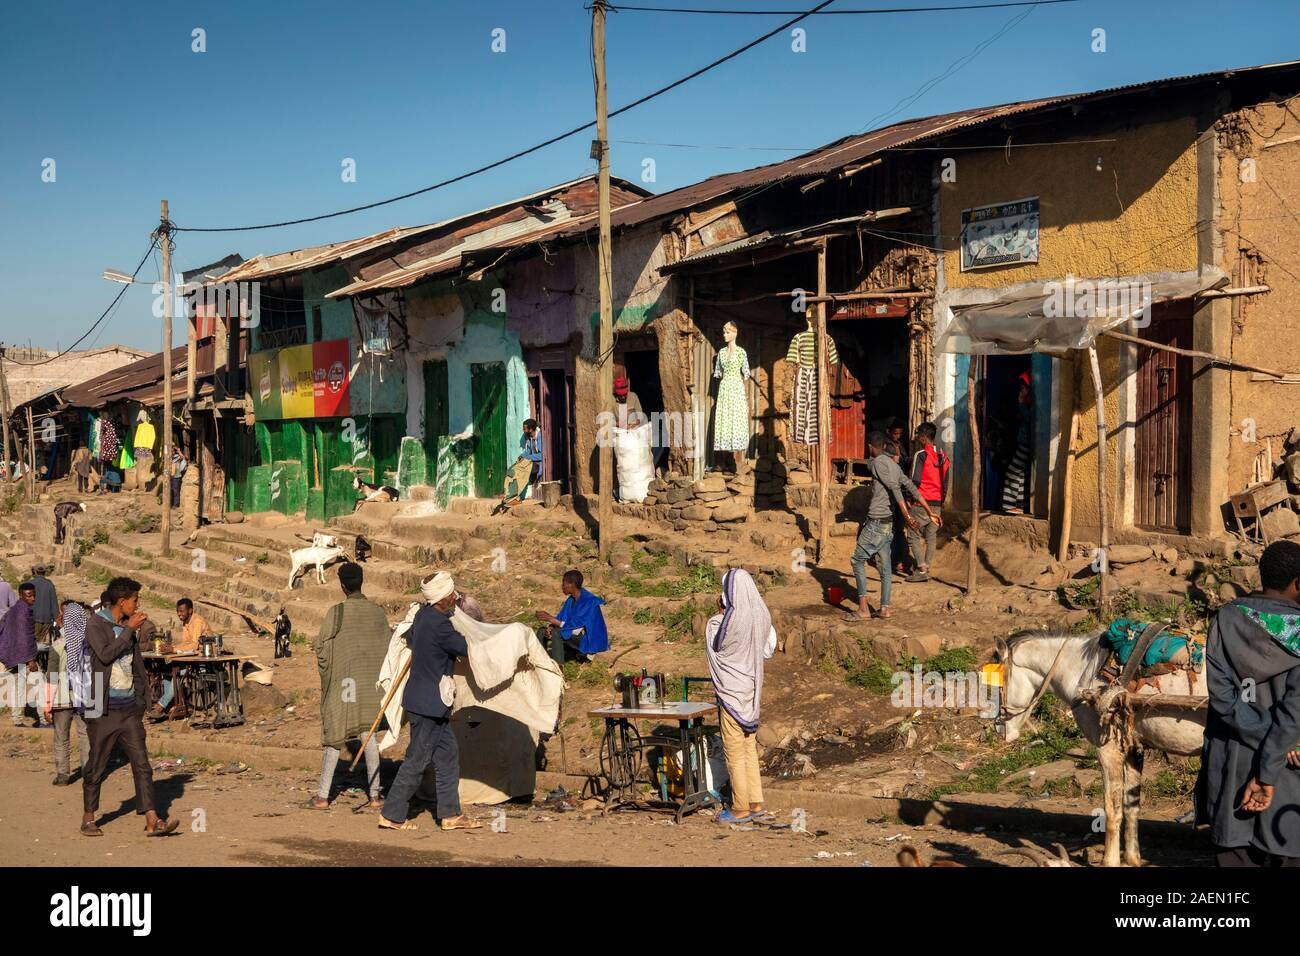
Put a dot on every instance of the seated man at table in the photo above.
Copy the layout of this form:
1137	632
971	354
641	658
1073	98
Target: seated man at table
580	623
192	627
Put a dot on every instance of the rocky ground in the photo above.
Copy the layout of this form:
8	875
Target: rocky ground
830	726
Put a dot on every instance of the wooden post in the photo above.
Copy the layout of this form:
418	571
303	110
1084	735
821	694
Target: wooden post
31	456
1067	478
1103	592
191	358
164	233
5	412
823	414
604	268
972	418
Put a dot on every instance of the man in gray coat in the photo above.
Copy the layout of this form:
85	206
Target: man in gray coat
1248	790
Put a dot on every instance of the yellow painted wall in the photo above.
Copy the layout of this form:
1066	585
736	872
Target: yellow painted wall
1137	215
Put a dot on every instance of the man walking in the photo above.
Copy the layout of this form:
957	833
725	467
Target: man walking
46	608
875	538
179	464
350	650
1248	788
119	694
430	692
930	475
18	649
81	468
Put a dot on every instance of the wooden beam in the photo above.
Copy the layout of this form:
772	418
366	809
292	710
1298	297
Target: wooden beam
1067	479
972	554
1193	353
823	414
1103	593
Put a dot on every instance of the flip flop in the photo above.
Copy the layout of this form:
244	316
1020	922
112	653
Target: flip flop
91	829
470	825
162	828
858	616
387	824
312	804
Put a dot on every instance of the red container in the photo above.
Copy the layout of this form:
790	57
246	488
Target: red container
834	595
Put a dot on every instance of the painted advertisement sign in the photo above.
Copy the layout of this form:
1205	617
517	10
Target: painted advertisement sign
303	381
1001	235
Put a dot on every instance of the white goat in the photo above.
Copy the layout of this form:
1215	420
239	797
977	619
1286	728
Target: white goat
304	558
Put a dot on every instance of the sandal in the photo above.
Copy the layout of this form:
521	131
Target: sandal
162	828
465	823
91	829
387	824
884	612
316	803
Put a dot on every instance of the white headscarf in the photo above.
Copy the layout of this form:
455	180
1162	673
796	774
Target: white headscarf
437	587
737	647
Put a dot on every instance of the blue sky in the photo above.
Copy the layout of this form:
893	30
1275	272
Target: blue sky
255	129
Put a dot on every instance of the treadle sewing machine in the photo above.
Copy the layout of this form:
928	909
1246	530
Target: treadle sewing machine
677	771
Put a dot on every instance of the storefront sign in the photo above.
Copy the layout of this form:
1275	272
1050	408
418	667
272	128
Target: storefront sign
303	381
1001	235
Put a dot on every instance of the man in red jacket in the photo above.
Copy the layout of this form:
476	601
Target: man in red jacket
929	473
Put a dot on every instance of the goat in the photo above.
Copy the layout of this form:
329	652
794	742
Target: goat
283	633
371	492
908	856
320	539
304	558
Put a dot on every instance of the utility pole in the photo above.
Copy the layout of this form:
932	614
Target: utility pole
5	411
164	238
605	355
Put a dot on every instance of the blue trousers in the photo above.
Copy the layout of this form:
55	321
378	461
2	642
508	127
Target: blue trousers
875	544
432	741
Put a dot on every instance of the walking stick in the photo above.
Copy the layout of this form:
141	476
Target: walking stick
380	716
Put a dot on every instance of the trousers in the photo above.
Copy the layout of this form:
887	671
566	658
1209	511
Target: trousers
432	741
741	752
117	728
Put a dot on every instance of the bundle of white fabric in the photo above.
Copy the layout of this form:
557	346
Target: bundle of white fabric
507	672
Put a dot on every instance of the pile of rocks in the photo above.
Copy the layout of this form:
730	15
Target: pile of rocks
718	500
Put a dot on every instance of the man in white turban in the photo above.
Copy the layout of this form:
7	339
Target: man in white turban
427	700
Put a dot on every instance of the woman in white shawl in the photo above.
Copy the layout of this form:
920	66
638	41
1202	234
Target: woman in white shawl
737	640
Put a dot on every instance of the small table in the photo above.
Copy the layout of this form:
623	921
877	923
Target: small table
622	746
208	684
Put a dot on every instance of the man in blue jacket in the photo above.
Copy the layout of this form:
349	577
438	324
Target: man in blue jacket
580	623
430	692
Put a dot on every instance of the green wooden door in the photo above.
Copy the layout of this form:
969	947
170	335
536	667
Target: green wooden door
435	407
488	390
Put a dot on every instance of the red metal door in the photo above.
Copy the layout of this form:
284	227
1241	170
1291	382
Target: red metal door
848	403
1163	432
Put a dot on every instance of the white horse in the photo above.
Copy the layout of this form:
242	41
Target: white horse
1068	665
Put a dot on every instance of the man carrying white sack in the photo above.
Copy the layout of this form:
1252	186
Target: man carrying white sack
430	692
507	693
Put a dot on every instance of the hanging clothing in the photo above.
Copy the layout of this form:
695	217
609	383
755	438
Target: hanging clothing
1015	485
108	445
803	407
145	436
803	350
737	641
731	413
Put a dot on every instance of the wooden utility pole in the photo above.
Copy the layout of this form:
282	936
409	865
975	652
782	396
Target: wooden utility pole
164	238
5	411
1071	453
823	413
605	353
31	456
972	418
1103	591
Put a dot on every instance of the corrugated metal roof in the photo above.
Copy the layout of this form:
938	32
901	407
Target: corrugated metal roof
115	385
852	149
313	257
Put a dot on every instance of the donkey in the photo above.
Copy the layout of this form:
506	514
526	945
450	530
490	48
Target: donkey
1068	665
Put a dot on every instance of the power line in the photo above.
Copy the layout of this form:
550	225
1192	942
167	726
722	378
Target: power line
868	10
531	149
121	292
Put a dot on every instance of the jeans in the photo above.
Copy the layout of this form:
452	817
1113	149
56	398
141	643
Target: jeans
176	492
169	692
929	530
331	760
875	541
83	484
64	718
432	741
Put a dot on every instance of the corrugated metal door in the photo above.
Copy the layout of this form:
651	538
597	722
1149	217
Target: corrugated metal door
435	406
1163	432
488	391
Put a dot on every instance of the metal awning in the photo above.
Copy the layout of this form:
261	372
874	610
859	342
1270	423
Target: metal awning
1060	315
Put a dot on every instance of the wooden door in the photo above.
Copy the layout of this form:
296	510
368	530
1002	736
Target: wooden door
435	408
488	392
848	404
1163	431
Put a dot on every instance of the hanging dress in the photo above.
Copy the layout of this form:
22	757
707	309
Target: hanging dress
731	414
803	405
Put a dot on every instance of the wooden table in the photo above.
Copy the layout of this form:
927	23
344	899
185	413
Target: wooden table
622	748
202	684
